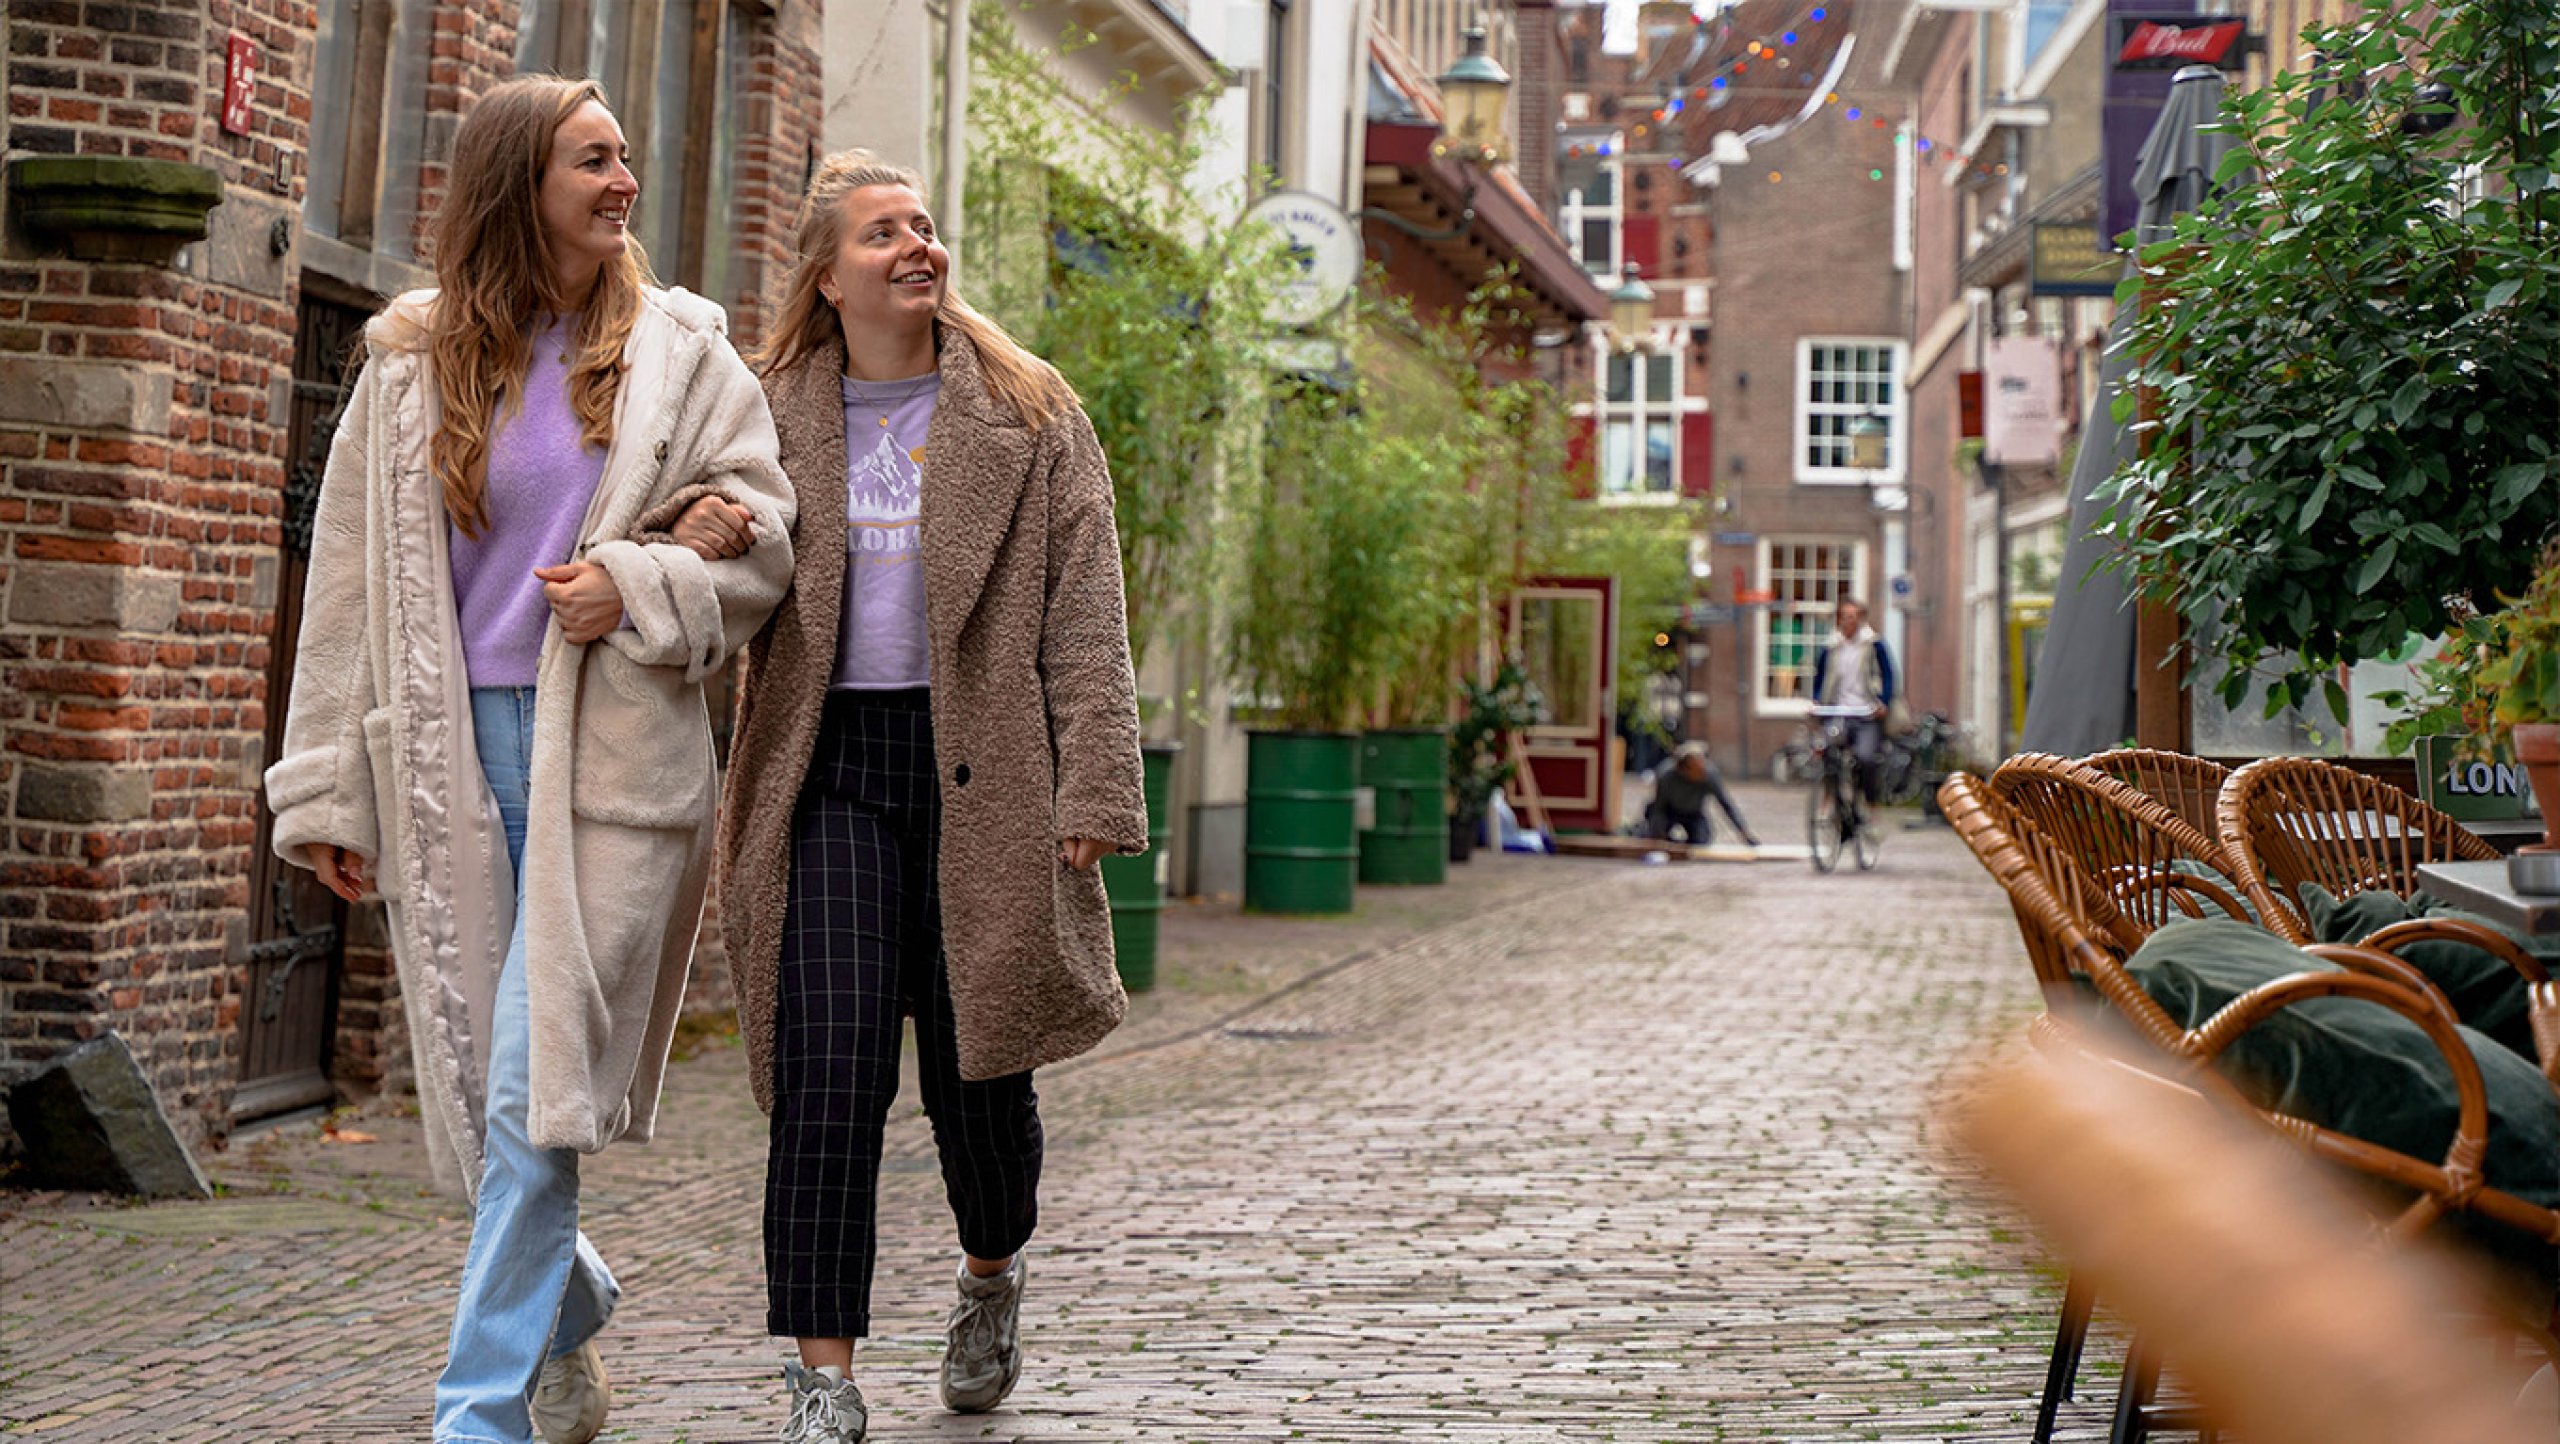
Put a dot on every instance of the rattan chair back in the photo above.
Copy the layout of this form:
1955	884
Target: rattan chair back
2151	862
2038	874
2286	821
2187	786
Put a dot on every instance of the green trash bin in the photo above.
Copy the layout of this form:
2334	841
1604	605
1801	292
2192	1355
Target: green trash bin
1135	885
1407	768
1301	836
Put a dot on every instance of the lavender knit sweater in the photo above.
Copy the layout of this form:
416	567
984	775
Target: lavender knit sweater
541	478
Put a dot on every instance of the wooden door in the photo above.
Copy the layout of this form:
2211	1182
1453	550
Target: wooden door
297	927
1564	630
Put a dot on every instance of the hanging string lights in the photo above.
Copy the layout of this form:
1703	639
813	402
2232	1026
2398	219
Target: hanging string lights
1765	50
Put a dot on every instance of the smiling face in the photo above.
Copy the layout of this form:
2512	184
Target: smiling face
585	196
890	268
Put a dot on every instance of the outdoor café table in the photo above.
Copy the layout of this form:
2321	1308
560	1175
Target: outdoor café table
2481	887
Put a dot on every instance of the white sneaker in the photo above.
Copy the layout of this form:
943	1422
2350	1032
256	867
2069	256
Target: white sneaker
570	1396
982	1356
823	1410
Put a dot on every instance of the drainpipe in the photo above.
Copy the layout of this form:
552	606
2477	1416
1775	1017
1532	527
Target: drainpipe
951	195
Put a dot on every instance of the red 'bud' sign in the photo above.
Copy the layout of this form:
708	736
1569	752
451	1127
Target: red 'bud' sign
239	83
2145	44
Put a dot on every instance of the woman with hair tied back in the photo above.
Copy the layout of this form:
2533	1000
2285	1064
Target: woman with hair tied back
552	509
937	741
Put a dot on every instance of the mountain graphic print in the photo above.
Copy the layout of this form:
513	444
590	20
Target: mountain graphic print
883	487
882	642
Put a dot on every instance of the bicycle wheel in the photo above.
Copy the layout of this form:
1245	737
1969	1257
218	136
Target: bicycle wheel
1822	823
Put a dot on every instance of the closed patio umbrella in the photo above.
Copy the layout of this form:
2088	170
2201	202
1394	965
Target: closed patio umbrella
2082	699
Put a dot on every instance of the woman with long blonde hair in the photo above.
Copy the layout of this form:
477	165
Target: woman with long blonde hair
497	712
937	742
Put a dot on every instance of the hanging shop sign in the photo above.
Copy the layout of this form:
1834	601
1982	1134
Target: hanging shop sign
2063	259
2022	401
2168	42
1323	251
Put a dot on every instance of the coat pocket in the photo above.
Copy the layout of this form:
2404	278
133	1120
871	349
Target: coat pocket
381	755
643	745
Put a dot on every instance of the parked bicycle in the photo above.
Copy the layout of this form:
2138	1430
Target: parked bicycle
1836	816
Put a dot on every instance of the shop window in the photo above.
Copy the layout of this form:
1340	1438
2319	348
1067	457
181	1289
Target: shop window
1805	580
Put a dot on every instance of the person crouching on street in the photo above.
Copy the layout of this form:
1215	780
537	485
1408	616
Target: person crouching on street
497	710
1681	792
937	742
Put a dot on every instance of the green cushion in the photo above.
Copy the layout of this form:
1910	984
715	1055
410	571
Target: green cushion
2359	1068
2485	992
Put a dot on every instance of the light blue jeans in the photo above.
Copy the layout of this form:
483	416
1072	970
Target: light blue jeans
533	1288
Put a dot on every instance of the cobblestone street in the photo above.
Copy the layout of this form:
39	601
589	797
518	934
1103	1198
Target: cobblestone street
1582	1150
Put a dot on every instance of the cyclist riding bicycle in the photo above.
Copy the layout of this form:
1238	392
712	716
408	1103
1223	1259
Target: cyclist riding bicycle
1854	674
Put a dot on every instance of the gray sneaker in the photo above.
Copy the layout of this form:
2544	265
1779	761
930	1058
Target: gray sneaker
984	1355
822	1410
570	1396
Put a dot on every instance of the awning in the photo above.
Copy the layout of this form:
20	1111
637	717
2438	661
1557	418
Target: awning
1403	178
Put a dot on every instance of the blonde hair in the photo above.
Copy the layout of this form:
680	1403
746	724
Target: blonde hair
494	270
804	320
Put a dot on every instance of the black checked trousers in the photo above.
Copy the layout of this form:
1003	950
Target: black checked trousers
862	949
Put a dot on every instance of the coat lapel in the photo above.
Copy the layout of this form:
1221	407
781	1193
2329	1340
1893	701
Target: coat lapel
977	459
808	416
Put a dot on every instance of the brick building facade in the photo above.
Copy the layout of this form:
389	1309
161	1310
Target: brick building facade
1711	157
165	400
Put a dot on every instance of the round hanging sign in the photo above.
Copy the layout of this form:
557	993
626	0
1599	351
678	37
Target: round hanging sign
1322	251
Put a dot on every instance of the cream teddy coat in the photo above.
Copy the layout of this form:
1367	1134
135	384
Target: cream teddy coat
1035	715
378	754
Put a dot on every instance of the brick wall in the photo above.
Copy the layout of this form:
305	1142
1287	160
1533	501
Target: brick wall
141	426
1806	254
144	409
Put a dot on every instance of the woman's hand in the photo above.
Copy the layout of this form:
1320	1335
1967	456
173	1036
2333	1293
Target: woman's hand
583	597
341	872
716	528
1081	853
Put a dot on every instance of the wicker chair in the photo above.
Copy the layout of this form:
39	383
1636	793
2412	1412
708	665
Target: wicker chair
2287	821
2152	863
2073	929
2187	786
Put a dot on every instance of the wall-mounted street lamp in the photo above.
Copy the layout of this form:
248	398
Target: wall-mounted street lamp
1867	437
1474	92
1631	312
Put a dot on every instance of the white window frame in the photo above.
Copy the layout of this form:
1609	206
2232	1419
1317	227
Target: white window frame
1573	211
1764	576
1896	415
1635	413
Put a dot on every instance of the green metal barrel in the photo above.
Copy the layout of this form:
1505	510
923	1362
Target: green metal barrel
1135	885
1408	770
1301	838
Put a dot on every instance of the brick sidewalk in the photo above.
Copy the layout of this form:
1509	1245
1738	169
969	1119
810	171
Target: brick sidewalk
1568	1150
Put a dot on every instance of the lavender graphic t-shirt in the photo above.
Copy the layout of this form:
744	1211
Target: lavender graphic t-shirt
882	642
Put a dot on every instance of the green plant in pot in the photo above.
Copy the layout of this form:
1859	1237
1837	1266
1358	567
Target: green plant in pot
2497	676
1492	711
2520	675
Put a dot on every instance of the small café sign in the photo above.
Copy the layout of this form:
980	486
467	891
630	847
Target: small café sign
2472	784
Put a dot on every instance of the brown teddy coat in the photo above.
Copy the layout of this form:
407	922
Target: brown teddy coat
1035	717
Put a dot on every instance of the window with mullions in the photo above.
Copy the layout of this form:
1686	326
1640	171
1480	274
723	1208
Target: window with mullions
1840	382
368	110
1640	424
1805	580
1589	213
